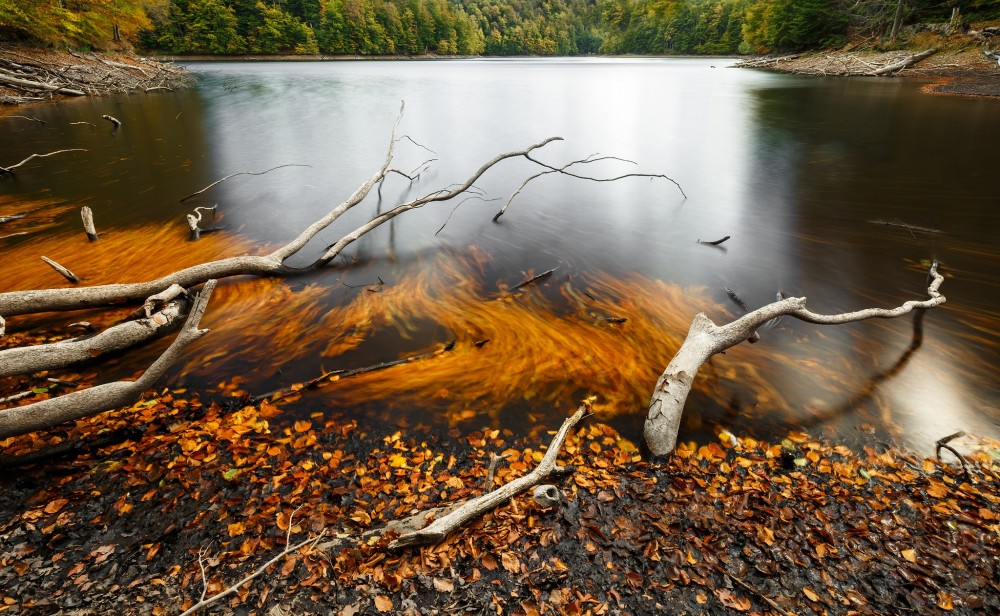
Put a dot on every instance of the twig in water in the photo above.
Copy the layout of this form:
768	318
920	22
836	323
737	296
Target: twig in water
232	175
943	444
10	169
716	242
29	118
419	145
113	120
533	279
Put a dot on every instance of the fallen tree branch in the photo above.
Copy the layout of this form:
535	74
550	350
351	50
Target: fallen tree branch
88	223
66	273
942	443
716	242
29	118
274	396
47	413
904	63
476	507
233	175
705	339
203	602
10	168
29	359
117	123
9	79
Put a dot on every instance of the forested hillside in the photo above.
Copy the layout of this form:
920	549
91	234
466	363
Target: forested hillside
468	27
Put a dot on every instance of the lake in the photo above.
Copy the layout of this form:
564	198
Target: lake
802	173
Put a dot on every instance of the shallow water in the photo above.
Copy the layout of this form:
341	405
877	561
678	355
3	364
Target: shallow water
794	169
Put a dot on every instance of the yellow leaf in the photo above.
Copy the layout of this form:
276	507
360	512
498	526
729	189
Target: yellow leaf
397	461
809	592
236	529
944	601
302	426
909	555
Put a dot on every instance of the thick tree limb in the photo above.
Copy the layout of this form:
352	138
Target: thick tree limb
904	63
29	359
705	339
47	413
9	79
476	507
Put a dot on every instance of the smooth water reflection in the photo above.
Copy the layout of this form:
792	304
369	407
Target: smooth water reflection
792	168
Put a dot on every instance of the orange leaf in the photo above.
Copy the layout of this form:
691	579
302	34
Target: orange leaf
809	592
302	426
489	562
56	505
383	603
909	555
944	601
236	529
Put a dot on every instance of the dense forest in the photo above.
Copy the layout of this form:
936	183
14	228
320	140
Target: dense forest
467	27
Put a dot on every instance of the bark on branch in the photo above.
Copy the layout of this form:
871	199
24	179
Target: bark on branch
706	339
476	507
47	413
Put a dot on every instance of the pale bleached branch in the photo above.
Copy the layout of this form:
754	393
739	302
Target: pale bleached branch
706	339
10	168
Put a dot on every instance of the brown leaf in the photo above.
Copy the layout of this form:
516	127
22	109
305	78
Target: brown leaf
944	601
510	562
383	603
443	585
731	600
809	592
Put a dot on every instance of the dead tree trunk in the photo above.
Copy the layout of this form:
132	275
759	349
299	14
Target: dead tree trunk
706	339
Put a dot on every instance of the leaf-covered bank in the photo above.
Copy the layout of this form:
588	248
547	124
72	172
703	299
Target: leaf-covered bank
130	519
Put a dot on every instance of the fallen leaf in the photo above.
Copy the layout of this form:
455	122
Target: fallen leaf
809	592
383	603
909	555
56	505
443	585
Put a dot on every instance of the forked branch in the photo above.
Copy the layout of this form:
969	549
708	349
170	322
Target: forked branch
706	339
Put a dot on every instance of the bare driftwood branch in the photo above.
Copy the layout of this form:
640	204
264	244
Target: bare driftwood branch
232	175
476	507
9	169
29	359
705	339
54	411
66	273
10	79
45	300
29	118
289	549
904	63
716	242
88	223
117	123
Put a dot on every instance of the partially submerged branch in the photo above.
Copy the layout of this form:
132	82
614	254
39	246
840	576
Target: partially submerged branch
706	339
54	411
239	173
10	168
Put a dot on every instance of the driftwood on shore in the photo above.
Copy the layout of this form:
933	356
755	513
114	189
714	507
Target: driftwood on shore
841	63
32	75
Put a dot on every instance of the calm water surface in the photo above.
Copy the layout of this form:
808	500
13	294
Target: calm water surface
794	169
